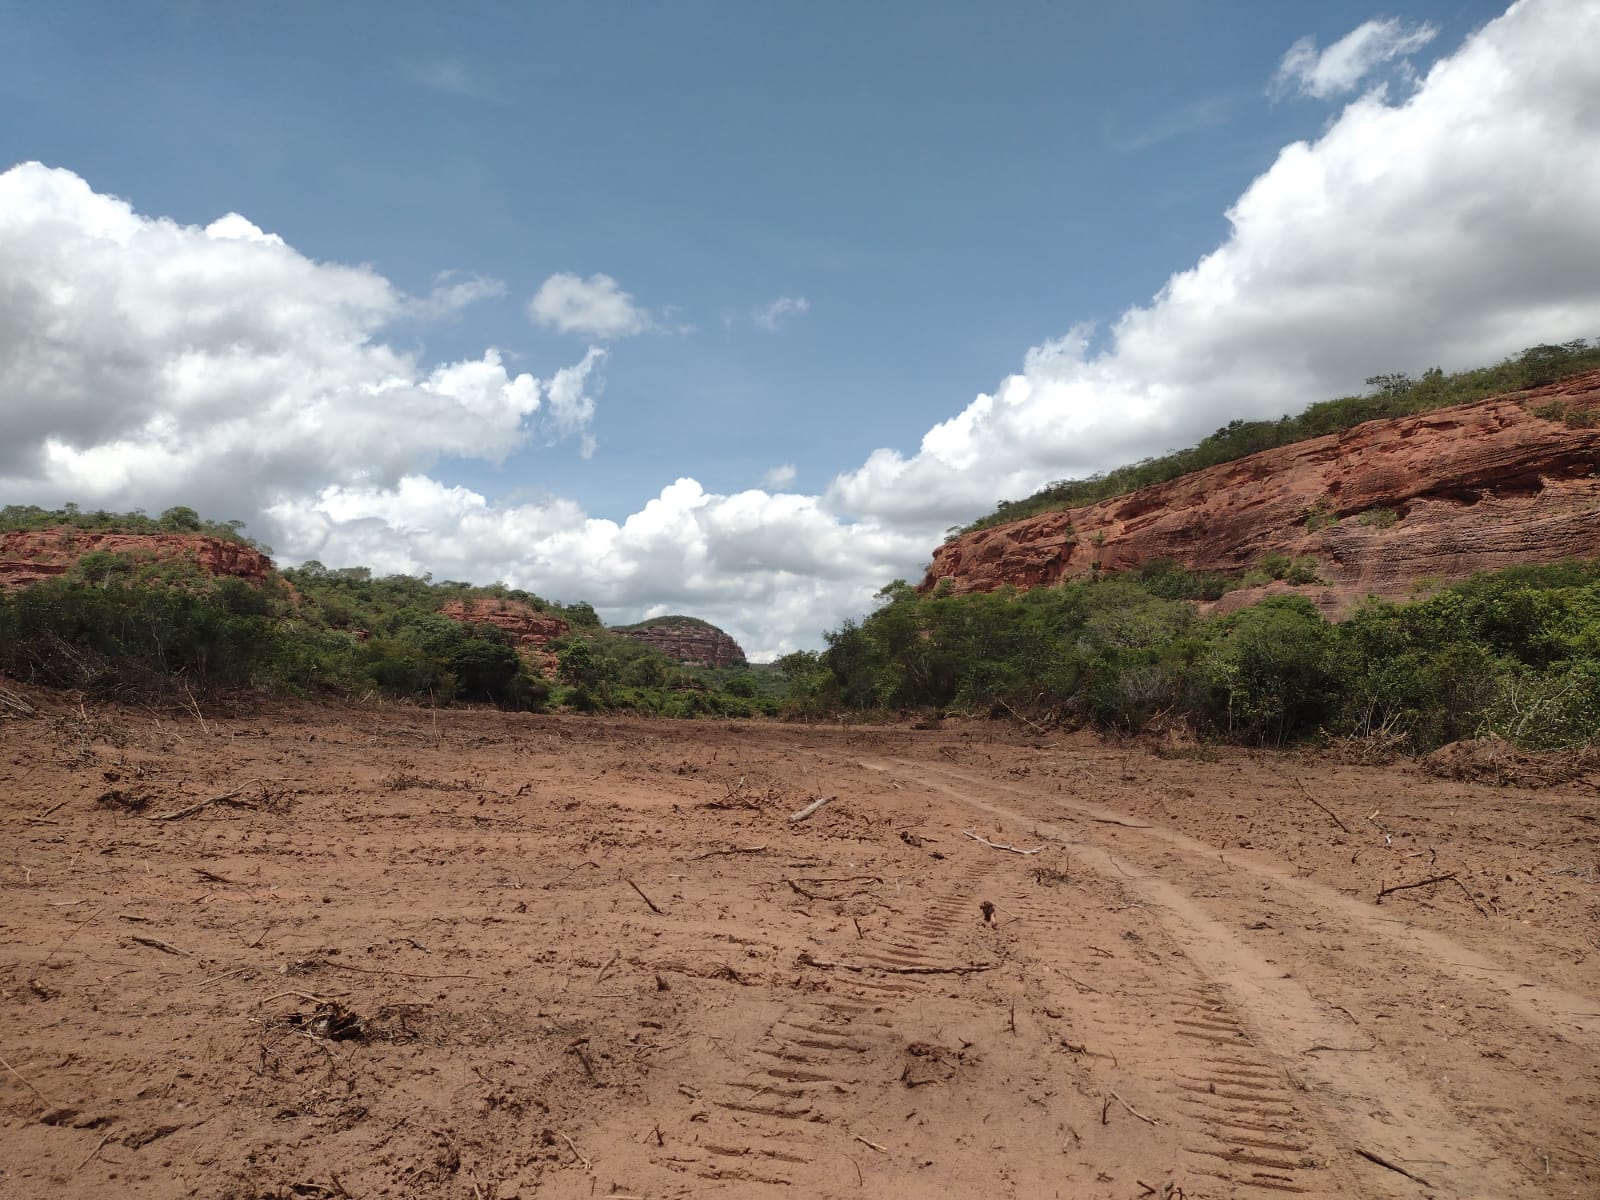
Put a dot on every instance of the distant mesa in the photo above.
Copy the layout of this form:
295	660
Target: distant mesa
1437	496
686	640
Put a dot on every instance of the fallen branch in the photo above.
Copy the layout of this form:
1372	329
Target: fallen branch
645	898
1114	821
730	850
824	964
225	798
809	810
998	845
1385	1163
1331	814
874	1145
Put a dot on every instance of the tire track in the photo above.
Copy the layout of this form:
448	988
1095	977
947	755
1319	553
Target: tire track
1236	1119
781	1115
1258	1020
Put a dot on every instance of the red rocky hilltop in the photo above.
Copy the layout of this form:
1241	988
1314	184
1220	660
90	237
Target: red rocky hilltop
1431	497
688	641
32	556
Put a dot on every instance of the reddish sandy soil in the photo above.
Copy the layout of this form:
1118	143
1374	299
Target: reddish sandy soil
485	956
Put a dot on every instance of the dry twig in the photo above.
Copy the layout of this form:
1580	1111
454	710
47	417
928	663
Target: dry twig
1331	814
42	1098
1384	1162
1449	877
98	1146
730	850
645	898
71	934
1134	1111
823	964
158	944
582	1157
809	810
998	845
225	798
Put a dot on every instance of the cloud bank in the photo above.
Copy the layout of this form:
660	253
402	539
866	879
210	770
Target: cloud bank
145	363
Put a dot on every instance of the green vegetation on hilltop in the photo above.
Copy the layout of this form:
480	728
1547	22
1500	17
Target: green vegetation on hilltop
1515	653
17	518
669	619
1393	395
130	624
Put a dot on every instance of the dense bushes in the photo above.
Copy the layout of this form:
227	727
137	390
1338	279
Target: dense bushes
1515	653
1392	395
123	624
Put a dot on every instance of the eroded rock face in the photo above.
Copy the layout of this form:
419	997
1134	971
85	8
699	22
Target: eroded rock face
1470	488
35	555
689	642
531	632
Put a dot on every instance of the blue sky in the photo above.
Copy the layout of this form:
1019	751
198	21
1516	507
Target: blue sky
936	189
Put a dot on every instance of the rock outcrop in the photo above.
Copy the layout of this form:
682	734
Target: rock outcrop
531	631
31	556
1384	506
687	640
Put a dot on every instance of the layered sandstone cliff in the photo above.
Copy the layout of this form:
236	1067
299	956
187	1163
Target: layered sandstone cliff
531	631
1382	507
687	641
31	556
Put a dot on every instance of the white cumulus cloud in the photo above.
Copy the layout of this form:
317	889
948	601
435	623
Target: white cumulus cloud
1340	68
595	307
143	362
451	294
772	316
779	477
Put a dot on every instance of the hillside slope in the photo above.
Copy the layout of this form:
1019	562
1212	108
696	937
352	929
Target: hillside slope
1514	479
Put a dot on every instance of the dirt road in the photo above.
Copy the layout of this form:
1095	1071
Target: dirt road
329	952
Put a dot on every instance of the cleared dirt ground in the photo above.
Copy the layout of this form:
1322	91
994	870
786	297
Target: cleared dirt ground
480	955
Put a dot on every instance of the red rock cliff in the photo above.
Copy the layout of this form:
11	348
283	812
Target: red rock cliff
32	556
688	642
1474	487
531	632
